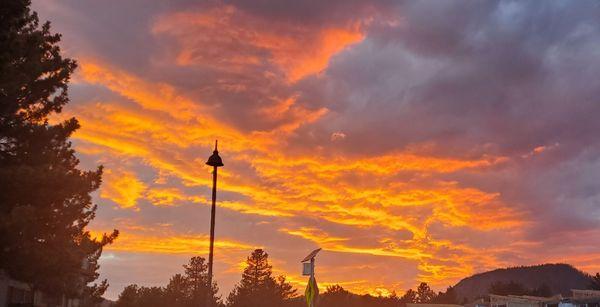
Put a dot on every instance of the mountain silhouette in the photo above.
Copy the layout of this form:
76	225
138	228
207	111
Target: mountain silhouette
560	278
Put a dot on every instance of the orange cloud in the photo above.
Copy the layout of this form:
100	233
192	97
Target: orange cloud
170	244
122	187
292	115
539	150
337	244
227	38
158	97
171	197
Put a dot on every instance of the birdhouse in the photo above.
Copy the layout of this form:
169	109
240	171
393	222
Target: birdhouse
308	263
307	268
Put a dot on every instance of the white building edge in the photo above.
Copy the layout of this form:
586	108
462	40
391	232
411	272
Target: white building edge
580	298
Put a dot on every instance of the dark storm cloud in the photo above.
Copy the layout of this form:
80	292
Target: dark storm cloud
475	78
517	75
114	30
314	11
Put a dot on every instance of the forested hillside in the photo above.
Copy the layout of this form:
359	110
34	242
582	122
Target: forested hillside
559	278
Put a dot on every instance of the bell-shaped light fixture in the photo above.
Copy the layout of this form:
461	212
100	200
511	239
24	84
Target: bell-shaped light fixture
215	160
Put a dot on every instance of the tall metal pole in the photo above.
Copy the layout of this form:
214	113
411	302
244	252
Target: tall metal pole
214	161
212	237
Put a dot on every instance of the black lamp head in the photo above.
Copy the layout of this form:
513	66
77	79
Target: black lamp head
215	160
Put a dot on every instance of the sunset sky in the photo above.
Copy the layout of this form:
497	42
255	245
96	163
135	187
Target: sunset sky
411	140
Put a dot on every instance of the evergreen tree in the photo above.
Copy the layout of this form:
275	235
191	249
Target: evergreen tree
45	202
129	297
196	276
448	297
188	290
336	296
284	289
258	287
178	291
152	297
134	296
424	293
409	297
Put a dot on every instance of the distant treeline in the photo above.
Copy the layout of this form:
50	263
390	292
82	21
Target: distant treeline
258	287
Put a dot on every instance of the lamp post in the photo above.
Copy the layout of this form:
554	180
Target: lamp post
215	161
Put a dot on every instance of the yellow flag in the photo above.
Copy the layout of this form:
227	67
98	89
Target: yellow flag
312	291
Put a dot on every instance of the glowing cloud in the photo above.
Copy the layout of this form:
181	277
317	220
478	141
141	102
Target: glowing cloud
274	184
227	38
122	187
